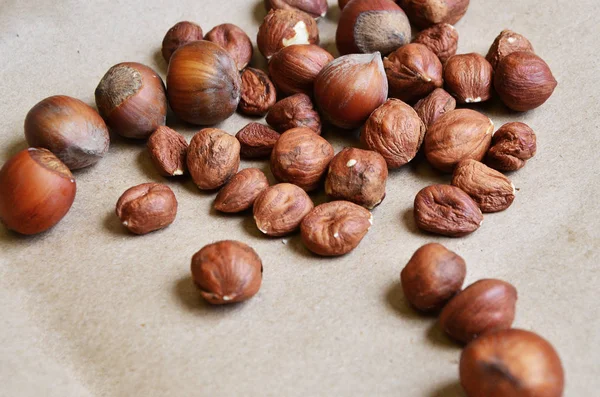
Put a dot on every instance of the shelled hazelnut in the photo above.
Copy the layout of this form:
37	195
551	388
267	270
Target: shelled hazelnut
512	145
506	43
180	34
147	207
434	106
256	140
441	39
241	191
469	78
233	40
282	28
294	112
258	93
213	158
168	151
314	8
425	13
279	209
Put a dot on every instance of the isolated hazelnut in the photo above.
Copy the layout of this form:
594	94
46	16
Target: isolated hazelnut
241	191
469	78
279	209
233	40
434	106
258	93
36	191
213	158
256	140
314	8
506	43
168	151
180	34
441	39
367	26
282	28
70	129
301	157
432	277
425	13
293	112
395	131
227	272
131	99
203	83
512	145
147	207
350	87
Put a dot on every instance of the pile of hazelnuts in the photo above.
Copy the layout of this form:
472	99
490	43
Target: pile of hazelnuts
208	79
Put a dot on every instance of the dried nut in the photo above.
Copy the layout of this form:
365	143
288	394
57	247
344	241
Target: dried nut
506	43
241	191
424	13
434	106
458	135
395	131
256	140
523	81
258	93
279	209
282	28
335	228
358	176
367	26
441	39
233	40
469	78
432	277
511	362
227	272
314	8
484	306
349	88
301	157
168	151
213	158
413	71
295	68
293	112
182	33
147	207
446	210
512	145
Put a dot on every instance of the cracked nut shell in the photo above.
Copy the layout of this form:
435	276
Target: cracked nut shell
434	106
279	209
180	34
441	39
469	78
512	145
147	207
213	158
241	191
282	28
424	13
233	40
258	93
506	43
314	8
256	140
294	112
168	151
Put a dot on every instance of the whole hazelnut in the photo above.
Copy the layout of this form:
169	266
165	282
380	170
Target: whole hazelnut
131	99
350	87
413	71
168	151
523	81
293	112
282	28
227	272
368	26
469	78
180	34
395	131
434	106
441	39
241	191
301	157
233	40
506	43
147	207
512	145
70	129
213	158
258	93
511	362
203	83
256	140
36	191
279	209
425	13
314	8
432	277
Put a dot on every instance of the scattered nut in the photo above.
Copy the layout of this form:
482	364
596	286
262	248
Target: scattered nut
256	140
424	13
434	106
241	191
314	8
213	158
233	40
182	33
469	78
282	28
279	209
168	151
147	207
258	93
441	39
506	43
293	112
512	145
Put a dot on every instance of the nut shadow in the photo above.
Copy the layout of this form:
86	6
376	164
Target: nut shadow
189	297
408	218
13	148
452	389
259	11
421	168
159	63
295	244
145	163
437	337
250	228
396	301
112	223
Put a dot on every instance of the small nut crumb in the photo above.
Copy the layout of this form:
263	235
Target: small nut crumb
279	209
147	207
168	151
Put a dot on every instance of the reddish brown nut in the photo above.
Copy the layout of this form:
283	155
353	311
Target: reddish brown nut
432	277
335	228
511	362
506	43
342	3
293	112
168	151
424	13
395	131
227	272
233	40
441	39
446	210
147	207
256	140
279	209
182	33
358	176
282	28
301	157
241	191
469	78
434	106
213	158
314	8
484	306
413	71
258	93
458	135
512	145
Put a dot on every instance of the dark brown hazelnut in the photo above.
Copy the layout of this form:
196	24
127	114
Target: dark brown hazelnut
512	145
258	93
182	33
279	209
314	8
241	191
282	28
147	207
425	13
468	78
233	40
441	39
506	43
256	140
434	106
294	112
168	151
213	158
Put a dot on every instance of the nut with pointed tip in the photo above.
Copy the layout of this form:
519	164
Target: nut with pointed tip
294	112
168	151
434	106
441	39
512	145
314	8
425	13
233	40
469	78
506	43
282	28
241	191
147	207
258	93
279	209
213	158
256	140
180	34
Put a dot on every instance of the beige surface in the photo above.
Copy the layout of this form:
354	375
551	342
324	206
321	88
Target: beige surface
88	309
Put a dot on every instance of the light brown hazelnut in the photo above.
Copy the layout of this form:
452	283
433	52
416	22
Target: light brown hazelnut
441	39
213	158
233	40
241	191
314	8
258	93
434	106
256	140
506	43
424	13
279	209
512	145
147	207
168	151
282	28
293	112
180	34
469	78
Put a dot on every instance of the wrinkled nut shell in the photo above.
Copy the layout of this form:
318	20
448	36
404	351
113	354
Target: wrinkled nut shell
213	158
469	78
233	40
241	191
512	145
147	207
434	106
441	39
258	93
424	13
279	209
282	28
180	34
314	8
256	140
506	43
168	151
293	112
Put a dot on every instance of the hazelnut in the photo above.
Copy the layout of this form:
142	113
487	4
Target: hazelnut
523	81
227	272
446	210
425	13
70	129
182	33
350	87
213	158
233	40
395	131
511	362
301	157
314	8
258	93
256	140
512	145
282	28
168	151
279	209
434	106
131	99
241	191
335	228
295	68
36	191
441	39
506	43
458	135
293	112
468	78
342	3
367	26
432	277
203	83
484	306
358	176
147	207
413	71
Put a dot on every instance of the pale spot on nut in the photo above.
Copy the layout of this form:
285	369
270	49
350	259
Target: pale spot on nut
301	36
514	189
473	100
351	163
511	40
125	223
178	172
371	219
227	298
336	235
